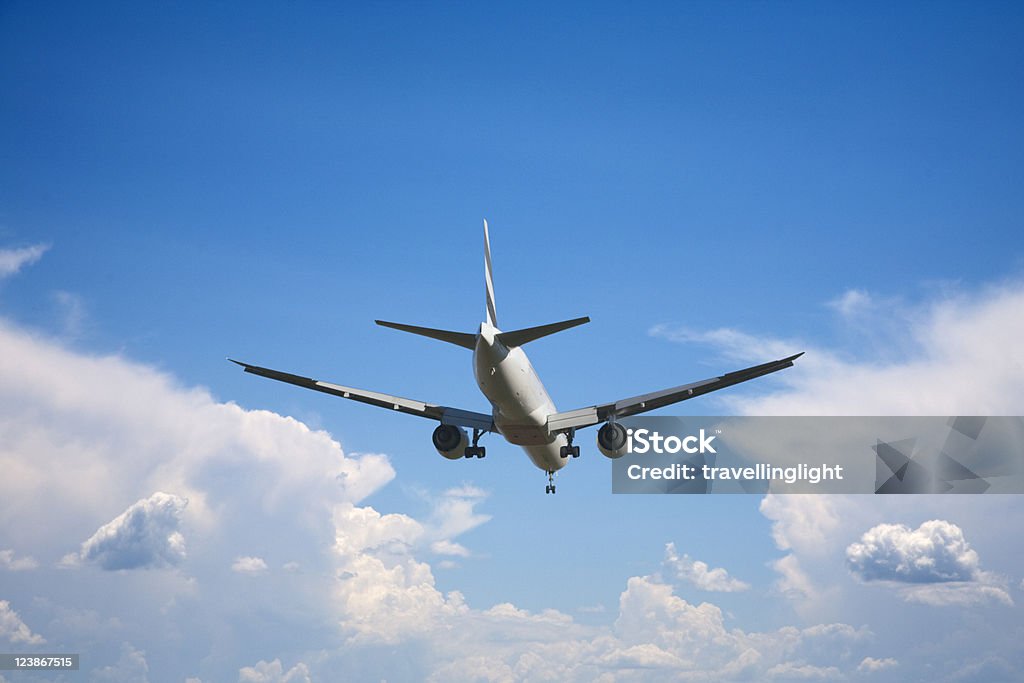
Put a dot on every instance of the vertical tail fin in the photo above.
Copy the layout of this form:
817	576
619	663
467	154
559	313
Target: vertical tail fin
492	315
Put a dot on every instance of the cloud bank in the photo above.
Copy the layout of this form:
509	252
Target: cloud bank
957	355
179	493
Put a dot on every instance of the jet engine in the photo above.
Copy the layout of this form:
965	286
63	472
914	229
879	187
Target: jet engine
611	440
450	441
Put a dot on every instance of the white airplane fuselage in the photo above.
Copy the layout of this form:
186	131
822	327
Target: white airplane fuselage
520	403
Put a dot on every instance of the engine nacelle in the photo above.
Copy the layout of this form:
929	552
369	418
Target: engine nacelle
450	441
611	440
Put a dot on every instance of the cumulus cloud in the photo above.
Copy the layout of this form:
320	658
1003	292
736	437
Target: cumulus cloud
699	574
16	564
143	536
934	562
934	552
249	565
273	672
82	437
13	260
14	629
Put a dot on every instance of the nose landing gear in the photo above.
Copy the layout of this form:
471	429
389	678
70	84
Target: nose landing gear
550	488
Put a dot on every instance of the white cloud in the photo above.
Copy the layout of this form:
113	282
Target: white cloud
969	341
934	563
699	574
934	552
851	302
10	562
645	656
732	343
72	310
273	672
807	527
986	589
131	667
249	565
789	670
984	670
13	629
143	536
871	665
802	523
793	581
83	437
12	260
446	547
455	512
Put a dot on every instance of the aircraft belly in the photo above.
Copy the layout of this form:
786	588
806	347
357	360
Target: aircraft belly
526	435
547	457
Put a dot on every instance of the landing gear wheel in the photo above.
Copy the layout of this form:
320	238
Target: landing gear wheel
566	451
569	449
476	451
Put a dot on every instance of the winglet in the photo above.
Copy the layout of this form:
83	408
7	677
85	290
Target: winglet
492	314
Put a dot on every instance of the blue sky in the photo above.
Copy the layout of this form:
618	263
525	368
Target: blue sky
715	184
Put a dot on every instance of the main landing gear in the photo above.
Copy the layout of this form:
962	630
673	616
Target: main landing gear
550	488
475	451
566	451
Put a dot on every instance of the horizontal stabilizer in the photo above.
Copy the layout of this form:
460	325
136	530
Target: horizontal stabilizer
462	339
528	334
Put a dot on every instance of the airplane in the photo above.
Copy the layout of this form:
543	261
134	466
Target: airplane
521	410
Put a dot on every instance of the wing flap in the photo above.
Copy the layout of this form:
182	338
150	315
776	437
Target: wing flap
444	414
584	417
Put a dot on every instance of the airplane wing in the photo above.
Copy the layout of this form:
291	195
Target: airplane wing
443	414
586	417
